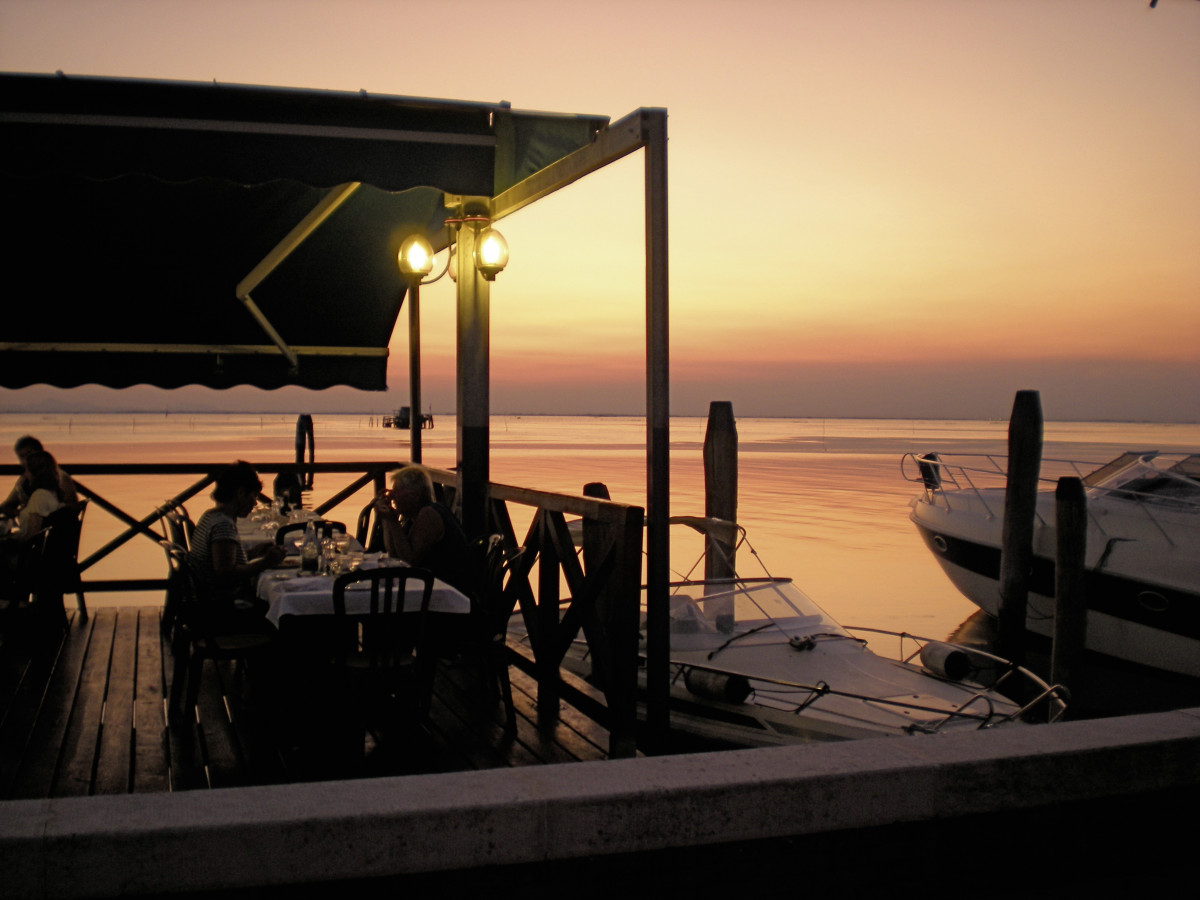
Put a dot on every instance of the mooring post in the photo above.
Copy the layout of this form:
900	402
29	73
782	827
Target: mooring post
720	484
1070	598
720	502
1020	506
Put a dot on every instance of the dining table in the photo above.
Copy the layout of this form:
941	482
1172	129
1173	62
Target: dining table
289	592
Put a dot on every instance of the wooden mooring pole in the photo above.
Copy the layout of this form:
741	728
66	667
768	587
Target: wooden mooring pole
1020	506
720	501
1070	598
720	483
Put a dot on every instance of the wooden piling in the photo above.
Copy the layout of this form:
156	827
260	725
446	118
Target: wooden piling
1070	615
720	484
1020	505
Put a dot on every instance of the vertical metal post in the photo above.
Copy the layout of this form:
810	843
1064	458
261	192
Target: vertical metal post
414	370
658	488
473	399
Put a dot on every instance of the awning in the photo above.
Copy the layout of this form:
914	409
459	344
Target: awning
175	233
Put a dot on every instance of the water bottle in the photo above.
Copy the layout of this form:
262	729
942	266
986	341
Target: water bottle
310	550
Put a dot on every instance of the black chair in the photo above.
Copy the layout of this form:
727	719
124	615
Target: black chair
382	664
199	633
20	585
178	526
369	531
487	633
318	524
59	571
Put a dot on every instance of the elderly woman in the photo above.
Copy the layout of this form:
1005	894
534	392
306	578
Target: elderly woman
217	554
423	532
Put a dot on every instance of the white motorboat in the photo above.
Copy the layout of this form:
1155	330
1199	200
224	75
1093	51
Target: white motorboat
755	662
1142	577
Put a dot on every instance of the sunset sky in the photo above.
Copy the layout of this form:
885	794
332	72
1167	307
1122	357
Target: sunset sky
907	208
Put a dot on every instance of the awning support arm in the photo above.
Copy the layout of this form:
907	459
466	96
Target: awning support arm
294	238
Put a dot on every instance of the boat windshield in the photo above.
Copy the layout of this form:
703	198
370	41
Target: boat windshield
732	606
1140	480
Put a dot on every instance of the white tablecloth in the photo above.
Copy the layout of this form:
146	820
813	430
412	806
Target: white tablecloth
288	593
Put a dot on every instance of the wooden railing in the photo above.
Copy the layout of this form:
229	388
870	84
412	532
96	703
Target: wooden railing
603	590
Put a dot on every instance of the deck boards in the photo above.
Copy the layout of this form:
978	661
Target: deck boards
86	713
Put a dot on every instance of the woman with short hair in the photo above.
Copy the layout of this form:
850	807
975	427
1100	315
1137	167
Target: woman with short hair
423	532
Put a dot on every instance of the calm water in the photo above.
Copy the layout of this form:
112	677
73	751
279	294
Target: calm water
823	500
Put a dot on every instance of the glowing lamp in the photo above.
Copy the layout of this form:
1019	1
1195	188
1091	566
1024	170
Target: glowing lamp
491	253
415	257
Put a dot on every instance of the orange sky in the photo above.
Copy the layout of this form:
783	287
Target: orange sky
878	207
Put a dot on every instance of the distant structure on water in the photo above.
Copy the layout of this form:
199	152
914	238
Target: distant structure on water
403	419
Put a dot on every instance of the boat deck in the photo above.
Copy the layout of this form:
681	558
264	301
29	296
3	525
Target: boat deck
84	712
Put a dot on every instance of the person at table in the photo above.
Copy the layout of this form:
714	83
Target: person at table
44	496
217	554
22	491
423	532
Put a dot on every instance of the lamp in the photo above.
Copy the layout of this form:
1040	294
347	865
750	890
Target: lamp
491	253
415	257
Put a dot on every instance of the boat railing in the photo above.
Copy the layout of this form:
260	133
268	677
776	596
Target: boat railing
976	473
822	690
1033	690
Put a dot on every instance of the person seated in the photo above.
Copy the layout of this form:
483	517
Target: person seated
218	556
44	496
19	495
423	532
43	481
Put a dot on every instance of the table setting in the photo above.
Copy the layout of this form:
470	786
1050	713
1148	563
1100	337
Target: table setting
290	592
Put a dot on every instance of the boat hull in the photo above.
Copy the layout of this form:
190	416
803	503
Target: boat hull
1141	604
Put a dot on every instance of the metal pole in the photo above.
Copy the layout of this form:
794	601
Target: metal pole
658	487
414	370
473	399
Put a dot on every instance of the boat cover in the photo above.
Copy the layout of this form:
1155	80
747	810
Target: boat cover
137	208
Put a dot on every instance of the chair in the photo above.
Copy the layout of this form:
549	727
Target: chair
198	637
369	531
59	571
490	610
292	527
21	586
178	526
384	665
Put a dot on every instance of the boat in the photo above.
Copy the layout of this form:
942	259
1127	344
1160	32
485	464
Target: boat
1142	564
756	662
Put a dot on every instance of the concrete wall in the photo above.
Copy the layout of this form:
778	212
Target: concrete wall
241	838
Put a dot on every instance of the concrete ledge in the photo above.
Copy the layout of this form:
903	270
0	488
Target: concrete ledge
240	838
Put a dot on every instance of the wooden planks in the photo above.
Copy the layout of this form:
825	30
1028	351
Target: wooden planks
83	712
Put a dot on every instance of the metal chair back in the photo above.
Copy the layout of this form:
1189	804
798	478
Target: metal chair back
59	572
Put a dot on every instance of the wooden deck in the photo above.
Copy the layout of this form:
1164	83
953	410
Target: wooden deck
83	712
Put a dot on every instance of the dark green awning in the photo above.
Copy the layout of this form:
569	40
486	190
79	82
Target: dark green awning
140	207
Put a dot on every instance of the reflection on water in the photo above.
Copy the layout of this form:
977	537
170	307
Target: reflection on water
823	500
